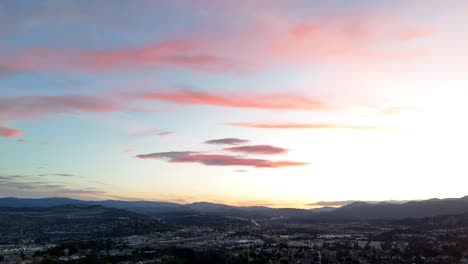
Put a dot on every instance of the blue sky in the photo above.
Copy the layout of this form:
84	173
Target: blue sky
334	100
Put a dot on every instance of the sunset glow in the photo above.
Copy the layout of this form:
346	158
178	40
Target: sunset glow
275	103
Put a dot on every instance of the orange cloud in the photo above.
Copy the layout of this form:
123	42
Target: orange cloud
300	126
10	132
238	100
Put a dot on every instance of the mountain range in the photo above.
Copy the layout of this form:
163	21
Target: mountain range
353	211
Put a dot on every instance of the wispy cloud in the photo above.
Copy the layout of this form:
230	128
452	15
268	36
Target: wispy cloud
24	185
56	174
37	106
301	126
258	149
190	53
127	150
276	38
10	132
346	202
6	178
218	160
284	101
151	132
331	203
227	141
25	107
165	133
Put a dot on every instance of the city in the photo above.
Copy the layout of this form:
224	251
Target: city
98	234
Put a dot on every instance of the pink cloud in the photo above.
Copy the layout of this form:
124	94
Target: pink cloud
411	33
258	149
238	100
273	38
36	106
218	160
301	126
127	150
10	132
351	37
191	53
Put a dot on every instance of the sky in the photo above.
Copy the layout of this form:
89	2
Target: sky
275	103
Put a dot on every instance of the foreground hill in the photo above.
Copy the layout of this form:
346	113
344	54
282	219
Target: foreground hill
51	224
436	222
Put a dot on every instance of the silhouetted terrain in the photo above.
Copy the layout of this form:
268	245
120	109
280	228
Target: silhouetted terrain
211	233
71	221
353	211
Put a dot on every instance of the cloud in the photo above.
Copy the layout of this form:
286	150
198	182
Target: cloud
6	178
151	132
165	133
56	174
227	141
279	101
10	132
128	150
412	33
27	107
218	160
331	203
258	149
194	54
343	203
398	110
190	53
22	185
343	38
37	106
301	126
273	39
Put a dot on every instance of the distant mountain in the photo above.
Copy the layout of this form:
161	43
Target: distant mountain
137	206
42	202
415	209
353	211
211	207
